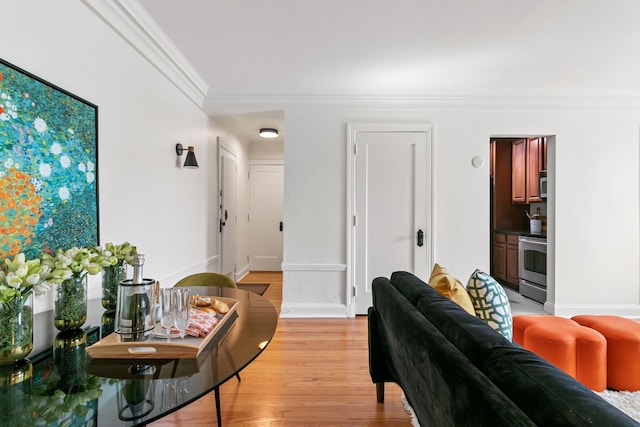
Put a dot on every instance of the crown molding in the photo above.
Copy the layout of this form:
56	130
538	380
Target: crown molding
132	22
222	104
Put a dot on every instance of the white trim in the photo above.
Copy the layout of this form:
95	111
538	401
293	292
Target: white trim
240	103
134	24
314	267
569	310
266	162
242	273
288	310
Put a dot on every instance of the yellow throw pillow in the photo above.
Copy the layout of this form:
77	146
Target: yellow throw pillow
448	286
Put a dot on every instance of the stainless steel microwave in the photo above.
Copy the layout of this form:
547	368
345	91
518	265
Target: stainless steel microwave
543	184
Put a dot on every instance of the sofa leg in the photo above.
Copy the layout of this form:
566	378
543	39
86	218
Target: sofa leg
380	392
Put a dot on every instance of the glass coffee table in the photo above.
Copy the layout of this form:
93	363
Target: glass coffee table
60	385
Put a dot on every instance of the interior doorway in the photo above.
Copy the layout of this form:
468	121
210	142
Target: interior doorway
266	222
521	214
227	216
391	166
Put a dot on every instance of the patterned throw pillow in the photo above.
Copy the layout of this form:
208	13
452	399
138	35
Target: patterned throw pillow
491	302
450	287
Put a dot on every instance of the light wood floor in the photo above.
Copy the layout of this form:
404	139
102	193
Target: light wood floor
315	372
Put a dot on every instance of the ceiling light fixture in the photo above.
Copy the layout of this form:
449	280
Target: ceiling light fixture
268	133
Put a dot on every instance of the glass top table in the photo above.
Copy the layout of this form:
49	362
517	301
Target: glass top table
60	385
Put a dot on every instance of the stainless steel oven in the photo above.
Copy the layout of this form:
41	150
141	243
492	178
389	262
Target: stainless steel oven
532	267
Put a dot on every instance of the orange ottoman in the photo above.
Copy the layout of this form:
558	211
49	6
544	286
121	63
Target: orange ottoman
577	350
623	349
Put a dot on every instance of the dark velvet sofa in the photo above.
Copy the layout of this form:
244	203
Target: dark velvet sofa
457	371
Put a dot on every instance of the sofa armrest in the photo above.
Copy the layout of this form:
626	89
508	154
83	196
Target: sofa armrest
378	368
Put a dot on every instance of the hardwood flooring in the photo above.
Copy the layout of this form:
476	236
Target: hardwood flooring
315	372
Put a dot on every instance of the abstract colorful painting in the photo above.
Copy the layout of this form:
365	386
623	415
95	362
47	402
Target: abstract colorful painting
48	166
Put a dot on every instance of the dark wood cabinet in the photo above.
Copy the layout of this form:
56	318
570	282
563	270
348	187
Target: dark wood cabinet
512	259
500	256
505	259
528	158
519	171
534	166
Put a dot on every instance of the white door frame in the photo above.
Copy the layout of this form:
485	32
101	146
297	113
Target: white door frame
352	130
223	151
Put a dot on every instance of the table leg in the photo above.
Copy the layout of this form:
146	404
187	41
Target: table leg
216	392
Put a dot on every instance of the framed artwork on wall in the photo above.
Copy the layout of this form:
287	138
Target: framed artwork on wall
48	166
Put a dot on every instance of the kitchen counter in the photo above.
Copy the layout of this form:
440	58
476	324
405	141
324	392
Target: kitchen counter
524	233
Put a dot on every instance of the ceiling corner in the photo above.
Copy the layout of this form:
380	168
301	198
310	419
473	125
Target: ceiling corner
133	23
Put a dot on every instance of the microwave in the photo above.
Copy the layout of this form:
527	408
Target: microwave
543	184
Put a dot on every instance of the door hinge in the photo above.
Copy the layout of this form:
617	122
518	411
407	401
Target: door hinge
355	221
355	149
355	291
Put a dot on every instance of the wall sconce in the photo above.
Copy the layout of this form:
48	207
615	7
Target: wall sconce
190	162
268	133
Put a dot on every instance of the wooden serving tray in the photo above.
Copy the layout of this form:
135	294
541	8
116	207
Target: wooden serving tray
113	347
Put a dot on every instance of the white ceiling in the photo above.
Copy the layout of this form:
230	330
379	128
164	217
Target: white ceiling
248	49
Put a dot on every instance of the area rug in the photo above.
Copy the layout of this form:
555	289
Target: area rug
627	401
409	409
256	288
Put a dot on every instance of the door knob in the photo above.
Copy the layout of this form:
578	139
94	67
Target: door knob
420	238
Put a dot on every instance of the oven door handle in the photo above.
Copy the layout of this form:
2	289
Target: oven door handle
533	240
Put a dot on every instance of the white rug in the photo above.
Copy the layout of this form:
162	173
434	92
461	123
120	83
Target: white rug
627	401
409	409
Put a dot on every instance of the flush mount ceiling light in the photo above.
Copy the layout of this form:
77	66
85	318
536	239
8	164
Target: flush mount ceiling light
268	133
190	162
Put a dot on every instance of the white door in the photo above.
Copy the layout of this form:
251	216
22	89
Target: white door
266	198
391	225
228	178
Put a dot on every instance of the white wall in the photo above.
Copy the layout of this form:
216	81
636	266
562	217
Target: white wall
266	150
145	196
596	227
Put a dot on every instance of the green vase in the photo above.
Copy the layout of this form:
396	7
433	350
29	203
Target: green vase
111	276
16	382
70	360
70	305
16	329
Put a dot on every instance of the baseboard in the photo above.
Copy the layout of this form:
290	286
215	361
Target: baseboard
313	310
631	311
241	273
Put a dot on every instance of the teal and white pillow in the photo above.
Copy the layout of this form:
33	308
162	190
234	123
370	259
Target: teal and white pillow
490	302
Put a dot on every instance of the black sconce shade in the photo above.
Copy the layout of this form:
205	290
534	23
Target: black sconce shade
190	162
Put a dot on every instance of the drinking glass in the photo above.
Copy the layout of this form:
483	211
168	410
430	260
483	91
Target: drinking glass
167	309
181	300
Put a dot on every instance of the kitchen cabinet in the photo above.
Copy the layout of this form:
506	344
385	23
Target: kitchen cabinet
500	256
534	166
513	275
518	171
528	158
505	258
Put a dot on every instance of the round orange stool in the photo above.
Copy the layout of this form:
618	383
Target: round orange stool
577	350
623	349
